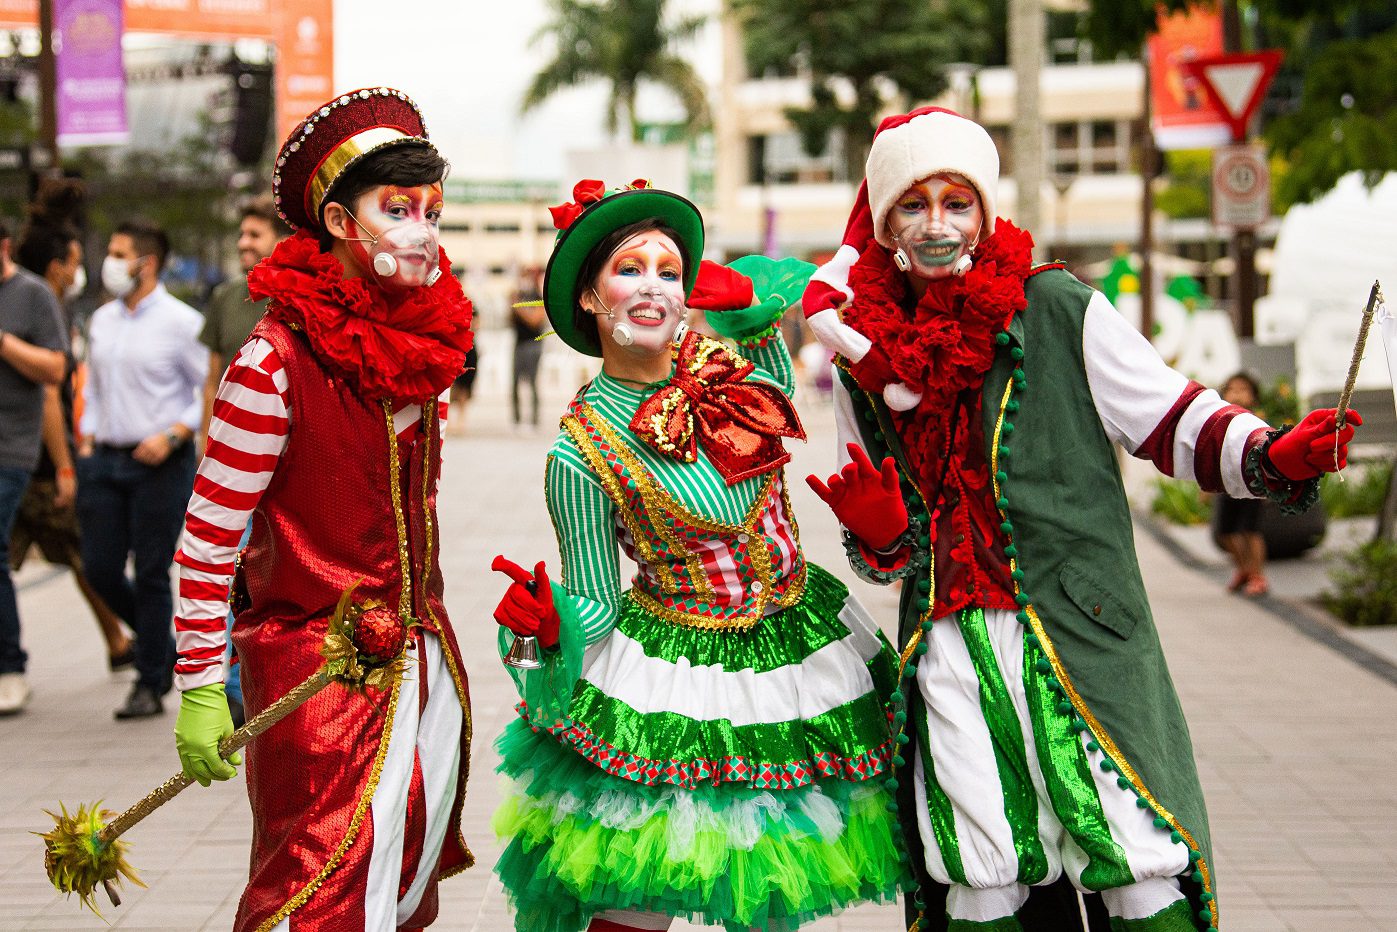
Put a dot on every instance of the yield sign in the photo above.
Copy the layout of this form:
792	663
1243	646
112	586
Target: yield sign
1236	84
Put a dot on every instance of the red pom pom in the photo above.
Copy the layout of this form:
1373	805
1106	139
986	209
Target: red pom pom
588	190
379	635
564	215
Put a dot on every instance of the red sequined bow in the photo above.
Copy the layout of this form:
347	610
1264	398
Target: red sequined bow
587	191
707	401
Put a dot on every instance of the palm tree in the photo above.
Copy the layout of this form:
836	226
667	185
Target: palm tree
624	42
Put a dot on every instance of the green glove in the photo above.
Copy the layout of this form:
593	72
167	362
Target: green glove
203	722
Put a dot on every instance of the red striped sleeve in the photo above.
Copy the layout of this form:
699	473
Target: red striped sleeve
1159	445
1207	457
247	435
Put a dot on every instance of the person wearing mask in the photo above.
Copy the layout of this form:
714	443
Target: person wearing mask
142	403
51	247
229	318
33	354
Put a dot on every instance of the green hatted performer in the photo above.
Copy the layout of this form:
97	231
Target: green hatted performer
1048	740
714	742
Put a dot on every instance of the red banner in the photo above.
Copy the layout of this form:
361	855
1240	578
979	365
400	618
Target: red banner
1183	116
305	67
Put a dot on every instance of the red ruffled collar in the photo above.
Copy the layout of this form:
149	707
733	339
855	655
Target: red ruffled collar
945	343
406	346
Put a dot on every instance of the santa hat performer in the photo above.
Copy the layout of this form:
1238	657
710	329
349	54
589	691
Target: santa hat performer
328	426
1048	740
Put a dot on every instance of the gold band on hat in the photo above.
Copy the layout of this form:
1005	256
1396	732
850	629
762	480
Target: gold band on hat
341	156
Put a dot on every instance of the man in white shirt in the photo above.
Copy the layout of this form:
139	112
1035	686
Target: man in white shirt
143	402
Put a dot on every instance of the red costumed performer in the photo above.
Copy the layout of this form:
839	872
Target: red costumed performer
326	432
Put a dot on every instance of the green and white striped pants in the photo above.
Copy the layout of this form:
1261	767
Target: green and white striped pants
1009	795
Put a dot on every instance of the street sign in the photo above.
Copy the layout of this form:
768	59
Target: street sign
1236	84
1241	187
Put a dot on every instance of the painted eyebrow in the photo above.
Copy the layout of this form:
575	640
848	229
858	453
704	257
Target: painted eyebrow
399	199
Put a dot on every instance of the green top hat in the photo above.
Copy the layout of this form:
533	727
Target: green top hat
585	223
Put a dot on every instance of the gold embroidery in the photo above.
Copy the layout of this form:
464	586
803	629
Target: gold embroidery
612	486
429	417
1098	731
301	896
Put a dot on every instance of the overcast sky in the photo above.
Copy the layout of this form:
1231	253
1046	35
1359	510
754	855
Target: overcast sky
467	63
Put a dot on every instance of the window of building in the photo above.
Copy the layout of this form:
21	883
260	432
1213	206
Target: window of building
779	158
1090	147
501	228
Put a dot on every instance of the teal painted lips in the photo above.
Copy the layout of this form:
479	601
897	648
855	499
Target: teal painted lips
937	252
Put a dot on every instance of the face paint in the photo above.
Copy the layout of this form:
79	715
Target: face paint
935	222
638	297
401	240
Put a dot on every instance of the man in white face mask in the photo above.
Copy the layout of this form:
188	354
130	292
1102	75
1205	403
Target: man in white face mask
142	403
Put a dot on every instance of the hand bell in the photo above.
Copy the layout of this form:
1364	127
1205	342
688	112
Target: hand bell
523	653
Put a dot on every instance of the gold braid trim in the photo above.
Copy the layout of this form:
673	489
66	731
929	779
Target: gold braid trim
395	485
429	415
1098	731
355	823
612	487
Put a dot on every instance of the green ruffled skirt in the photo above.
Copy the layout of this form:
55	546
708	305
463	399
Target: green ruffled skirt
750	826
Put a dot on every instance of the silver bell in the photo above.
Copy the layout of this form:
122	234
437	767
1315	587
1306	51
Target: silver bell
523	653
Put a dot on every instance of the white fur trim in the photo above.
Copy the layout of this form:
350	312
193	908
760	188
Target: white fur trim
835	272
837	336
901	398
922	147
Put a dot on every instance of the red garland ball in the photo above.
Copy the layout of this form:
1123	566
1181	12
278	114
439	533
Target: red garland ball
379	635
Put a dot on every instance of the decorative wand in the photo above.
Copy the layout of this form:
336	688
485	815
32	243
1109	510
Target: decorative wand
1375	300
364	647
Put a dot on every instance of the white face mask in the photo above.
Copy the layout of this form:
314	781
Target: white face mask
117	276
76	288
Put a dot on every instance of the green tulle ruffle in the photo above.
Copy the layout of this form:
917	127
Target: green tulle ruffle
581	841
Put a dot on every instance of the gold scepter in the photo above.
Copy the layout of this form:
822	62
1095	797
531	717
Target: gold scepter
83	850
1375	300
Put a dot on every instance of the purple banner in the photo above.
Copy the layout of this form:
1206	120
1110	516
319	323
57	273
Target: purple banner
91	79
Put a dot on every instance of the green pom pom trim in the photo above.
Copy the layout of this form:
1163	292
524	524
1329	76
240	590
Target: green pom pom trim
1002	338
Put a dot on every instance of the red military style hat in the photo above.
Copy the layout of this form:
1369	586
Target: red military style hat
333	137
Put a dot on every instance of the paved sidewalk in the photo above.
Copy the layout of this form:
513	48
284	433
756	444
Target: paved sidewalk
1295	743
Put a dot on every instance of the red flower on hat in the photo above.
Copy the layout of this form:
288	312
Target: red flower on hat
586	191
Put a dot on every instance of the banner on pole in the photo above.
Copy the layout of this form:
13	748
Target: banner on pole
1183	115
91	79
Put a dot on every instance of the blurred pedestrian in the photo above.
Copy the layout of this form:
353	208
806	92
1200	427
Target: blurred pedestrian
33	348
229	318
1239	518
527	317
461	390
51	247
142	404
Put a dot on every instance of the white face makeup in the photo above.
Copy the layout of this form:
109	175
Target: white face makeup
638	297
394	234
936	221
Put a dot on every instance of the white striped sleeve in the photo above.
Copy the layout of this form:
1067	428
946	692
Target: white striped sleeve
584	520
247	434
1156	413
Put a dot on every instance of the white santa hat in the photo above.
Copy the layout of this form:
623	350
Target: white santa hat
907	148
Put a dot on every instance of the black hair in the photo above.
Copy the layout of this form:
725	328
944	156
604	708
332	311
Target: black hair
406	166
592	266
41	244
149	239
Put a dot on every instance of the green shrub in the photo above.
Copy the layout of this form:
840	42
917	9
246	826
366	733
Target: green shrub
1278	404
1179	502
1360	494
1365	585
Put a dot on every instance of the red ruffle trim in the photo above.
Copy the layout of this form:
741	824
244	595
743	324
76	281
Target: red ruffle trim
405	346
946	342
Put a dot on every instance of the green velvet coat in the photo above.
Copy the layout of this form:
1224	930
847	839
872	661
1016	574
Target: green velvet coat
1071	534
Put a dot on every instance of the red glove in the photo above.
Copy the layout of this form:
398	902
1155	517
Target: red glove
719	288
1307	449
527	607
865	500
874	372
